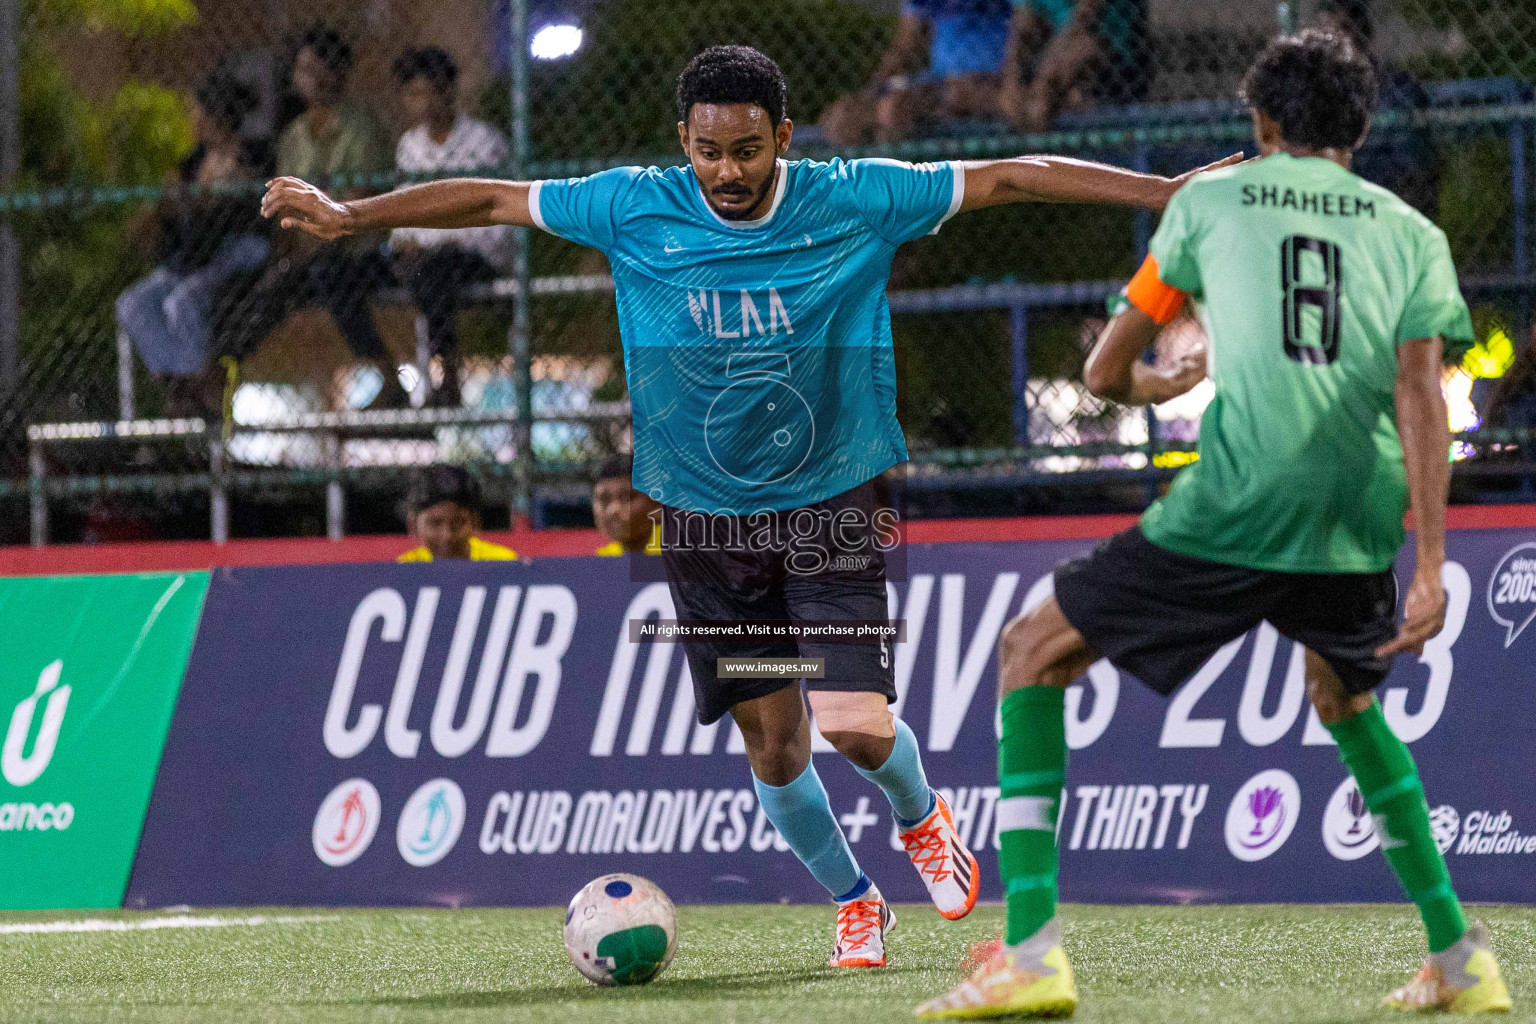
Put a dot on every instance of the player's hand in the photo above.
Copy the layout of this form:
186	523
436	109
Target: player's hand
1159	384
1423	615
298	204
1174	184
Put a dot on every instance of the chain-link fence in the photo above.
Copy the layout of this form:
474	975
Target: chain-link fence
137	284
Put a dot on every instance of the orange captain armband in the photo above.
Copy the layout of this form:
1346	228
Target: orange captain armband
1149	294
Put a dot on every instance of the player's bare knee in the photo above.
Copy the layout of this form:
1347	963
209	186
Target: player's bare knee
1018	640
858	725
1025	658
1326	690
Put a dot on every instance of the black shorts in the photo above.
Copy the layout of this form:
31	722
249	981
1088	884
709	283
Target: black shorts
1160	615
729	583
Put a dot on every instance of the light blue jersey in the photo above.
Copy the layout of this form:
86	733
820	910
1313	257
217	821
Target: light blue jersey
758	353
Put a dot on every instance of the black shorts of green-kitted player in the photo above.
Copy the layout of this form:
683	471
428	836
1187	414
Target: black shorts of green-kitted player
1160	615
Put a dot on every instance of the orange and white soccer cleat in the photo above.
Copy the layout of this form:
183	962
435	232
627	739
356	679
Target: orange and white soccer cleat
1462	979
862	926
1032	979
948	869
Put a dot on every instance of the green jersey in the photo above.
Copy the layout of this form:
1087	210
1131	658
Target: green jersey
1307	279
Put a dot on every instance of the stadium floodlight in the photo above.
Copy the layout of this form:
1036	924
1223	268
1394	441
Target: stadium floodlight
555	41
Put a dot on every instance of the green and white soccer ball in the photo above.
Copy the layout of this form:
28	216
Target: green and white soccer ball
621	930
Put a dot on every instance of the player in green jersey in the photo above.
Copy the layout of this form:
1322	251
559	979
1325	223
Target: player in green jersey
1328	423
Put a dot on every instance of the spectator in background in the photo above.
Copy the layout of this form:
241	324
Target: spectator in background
1023	60
202	239
1066	53
338	141
628	518
1511	402
1405	161
436	264
945	61
445	516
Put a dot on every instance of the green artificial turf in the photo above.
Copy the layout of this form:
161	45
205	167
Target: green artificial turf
744	963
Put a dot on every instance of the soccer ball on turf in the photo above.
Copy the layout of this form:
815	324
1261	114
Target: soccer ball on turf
621	930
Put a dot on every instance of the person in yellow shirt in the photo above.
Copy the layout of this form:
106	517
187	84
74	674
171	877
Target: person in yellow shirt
445	515
630	519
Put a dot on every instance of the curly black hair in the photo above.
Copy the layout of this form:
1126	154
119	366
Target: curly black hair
733	74
429	62
334	52
613	467
440	483
226	99
1317	86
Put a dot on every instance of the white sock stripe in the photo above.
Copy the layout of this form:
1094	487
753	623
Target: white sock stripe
1026	812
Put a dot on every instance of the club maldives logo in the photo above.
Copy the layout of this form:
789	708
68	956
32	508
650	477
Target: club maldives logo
1348	831
346	822
1444	825
1262	814
430	823
1512	591
1480	832
20	770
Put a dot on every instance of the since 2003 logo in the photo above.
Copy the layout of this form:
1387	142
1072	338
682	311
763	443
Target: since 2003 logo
430	823
1512	591
1262	814
346	822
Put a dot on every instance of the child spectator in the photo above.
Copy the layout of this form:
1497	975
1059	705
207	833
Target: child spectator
629	518
445	516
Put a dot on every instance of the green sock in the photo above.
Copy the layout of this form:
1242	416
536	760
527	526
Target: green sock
1031	764
1389	782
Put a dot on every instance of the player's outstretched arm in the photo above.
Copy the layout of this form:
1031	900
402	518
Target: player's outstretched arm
451	203
1426	436
1062	179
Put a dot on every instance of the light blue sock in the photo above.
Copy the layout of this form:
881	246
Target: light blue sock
803	816
902	778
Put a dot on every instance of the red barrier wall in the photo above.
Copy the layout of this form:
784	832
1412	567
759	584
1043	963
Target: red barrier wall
159	556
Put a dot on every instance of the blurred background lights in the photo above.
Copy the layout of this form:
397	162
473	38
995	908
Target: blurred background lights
555	41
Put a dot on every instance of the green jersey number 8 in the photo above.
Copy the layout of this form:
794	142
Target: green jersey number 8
1313	340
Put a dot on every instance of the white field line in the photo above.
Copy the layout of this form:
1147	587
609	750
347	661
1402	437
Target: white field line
151	924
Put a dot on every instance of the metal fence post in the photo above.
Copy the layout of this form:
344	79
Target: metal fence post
518	341
1018	322
126	409
335	494
218	491
38	486
1286	16
10	163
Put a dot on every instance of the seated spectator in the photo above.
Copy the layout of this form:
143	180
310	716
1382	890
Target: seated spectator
436	264
445	516
945	61
201	240
1024	60
628	518
334	141
1404	161
1511	402
1067	53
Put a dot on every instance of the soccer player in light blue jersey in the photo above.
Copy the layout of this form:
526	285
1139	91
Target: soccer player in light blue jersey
757	347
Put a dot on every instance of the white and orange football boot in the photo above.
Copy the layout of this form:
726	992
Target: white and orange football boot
862	925
1462	979
1032	979
948	869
